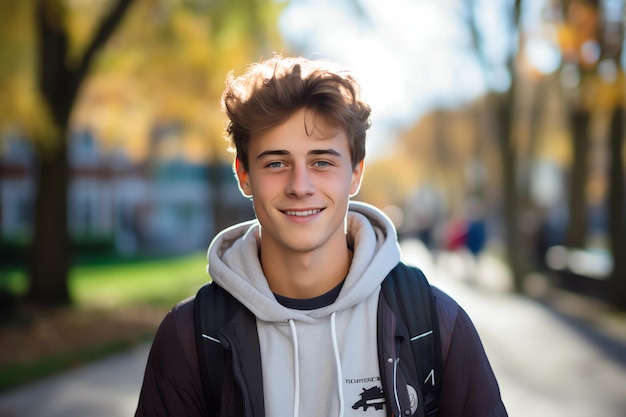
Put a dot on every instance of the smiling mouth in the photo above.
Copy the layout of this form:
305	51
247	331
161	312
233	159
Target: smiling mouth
302	213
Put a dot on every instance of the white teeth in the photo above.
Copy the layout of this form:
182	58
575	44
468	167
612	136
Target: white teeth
302	213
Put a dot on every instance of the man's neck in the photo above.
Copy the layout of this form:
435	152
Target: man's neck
306	275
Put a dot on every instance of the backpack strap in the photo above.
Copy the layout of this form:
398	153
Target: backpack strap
213	308
409	294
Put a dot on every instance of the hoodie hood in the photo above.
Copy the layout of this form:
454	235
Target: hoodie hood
233	263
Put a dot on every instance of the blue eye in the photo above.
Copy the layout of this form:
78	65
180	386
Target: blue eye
322	163
275	164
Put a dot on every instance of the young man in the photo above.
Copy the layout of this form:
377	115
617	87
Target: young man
308	271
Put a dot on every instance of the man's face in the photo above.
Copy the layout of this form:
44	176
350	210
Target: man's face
300	184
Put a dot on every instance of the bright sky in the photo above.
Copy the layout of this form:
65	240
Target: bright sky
410	55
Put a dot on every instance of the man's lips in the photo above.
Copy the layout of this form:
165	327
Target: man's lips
302	213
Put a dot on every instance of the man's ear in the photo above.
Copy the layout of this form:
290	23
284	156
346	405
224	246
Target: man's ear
357	176
243	178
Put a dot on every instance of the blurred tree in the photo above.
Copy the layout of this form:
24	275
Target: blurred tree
171	48
502	104
579	36
612	81
592	36
59	78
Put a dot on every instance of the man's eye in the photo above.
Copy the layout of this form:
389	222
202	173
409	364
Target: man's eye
322	163
275	164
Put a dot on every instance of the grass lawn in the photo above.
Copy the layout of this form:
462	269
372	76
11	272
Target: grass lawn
152	281
117	303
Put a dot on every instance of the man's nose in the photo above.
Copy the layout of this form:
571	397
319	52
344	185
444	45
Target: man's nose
300	182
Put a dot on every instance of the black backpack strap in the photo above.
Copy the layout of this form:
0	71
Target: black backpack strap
409	294
213	308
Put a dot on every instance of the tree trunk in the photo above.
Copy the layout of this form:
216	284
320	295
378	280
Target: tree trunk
50	261
514	248
577	221
617	209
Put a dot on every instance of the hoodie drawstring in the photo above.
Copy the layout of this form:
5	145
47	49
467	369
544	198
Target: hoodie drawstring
294	339
296	395
337	362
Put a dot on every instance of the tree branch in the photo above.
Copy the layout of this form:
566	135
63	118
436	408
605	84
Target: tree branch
104	32
102	35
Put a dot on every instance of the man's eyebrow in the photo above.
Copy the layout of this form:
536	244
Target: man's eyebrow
332	152
279	152
282	152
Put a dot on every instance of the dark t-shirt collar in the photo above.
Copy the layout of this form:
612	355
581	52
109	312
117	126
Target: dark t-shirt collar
310	303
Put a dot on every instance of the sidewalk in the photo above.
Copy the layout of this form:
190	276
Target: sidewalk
103	389
563	356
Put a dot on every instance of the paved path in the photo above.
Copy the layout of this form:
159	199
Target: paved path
547	364
107	388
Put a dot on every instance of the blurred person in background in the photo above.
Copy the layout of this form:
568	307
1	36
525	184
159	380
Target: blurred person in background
308	272
476	234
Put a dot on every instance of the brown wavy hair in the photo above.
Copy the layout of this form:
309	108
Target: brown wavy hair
269	92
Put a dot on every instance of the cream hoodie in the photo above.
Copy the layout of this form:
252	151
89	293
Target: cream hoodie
317	362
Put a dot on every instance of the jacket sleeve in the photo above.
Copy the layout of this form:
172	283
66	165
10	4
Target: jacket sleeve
469	387
171	385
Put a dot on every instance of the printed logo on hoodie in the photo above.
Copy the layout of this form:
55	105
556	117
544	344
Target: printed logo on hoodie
373	397
370	397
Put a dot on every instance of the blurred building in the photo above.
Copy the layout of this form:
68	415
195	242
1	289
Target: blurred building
16	188
160	205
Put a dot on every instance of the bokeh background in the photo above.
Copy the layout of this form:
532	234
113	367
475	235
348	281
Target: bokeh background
498	135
